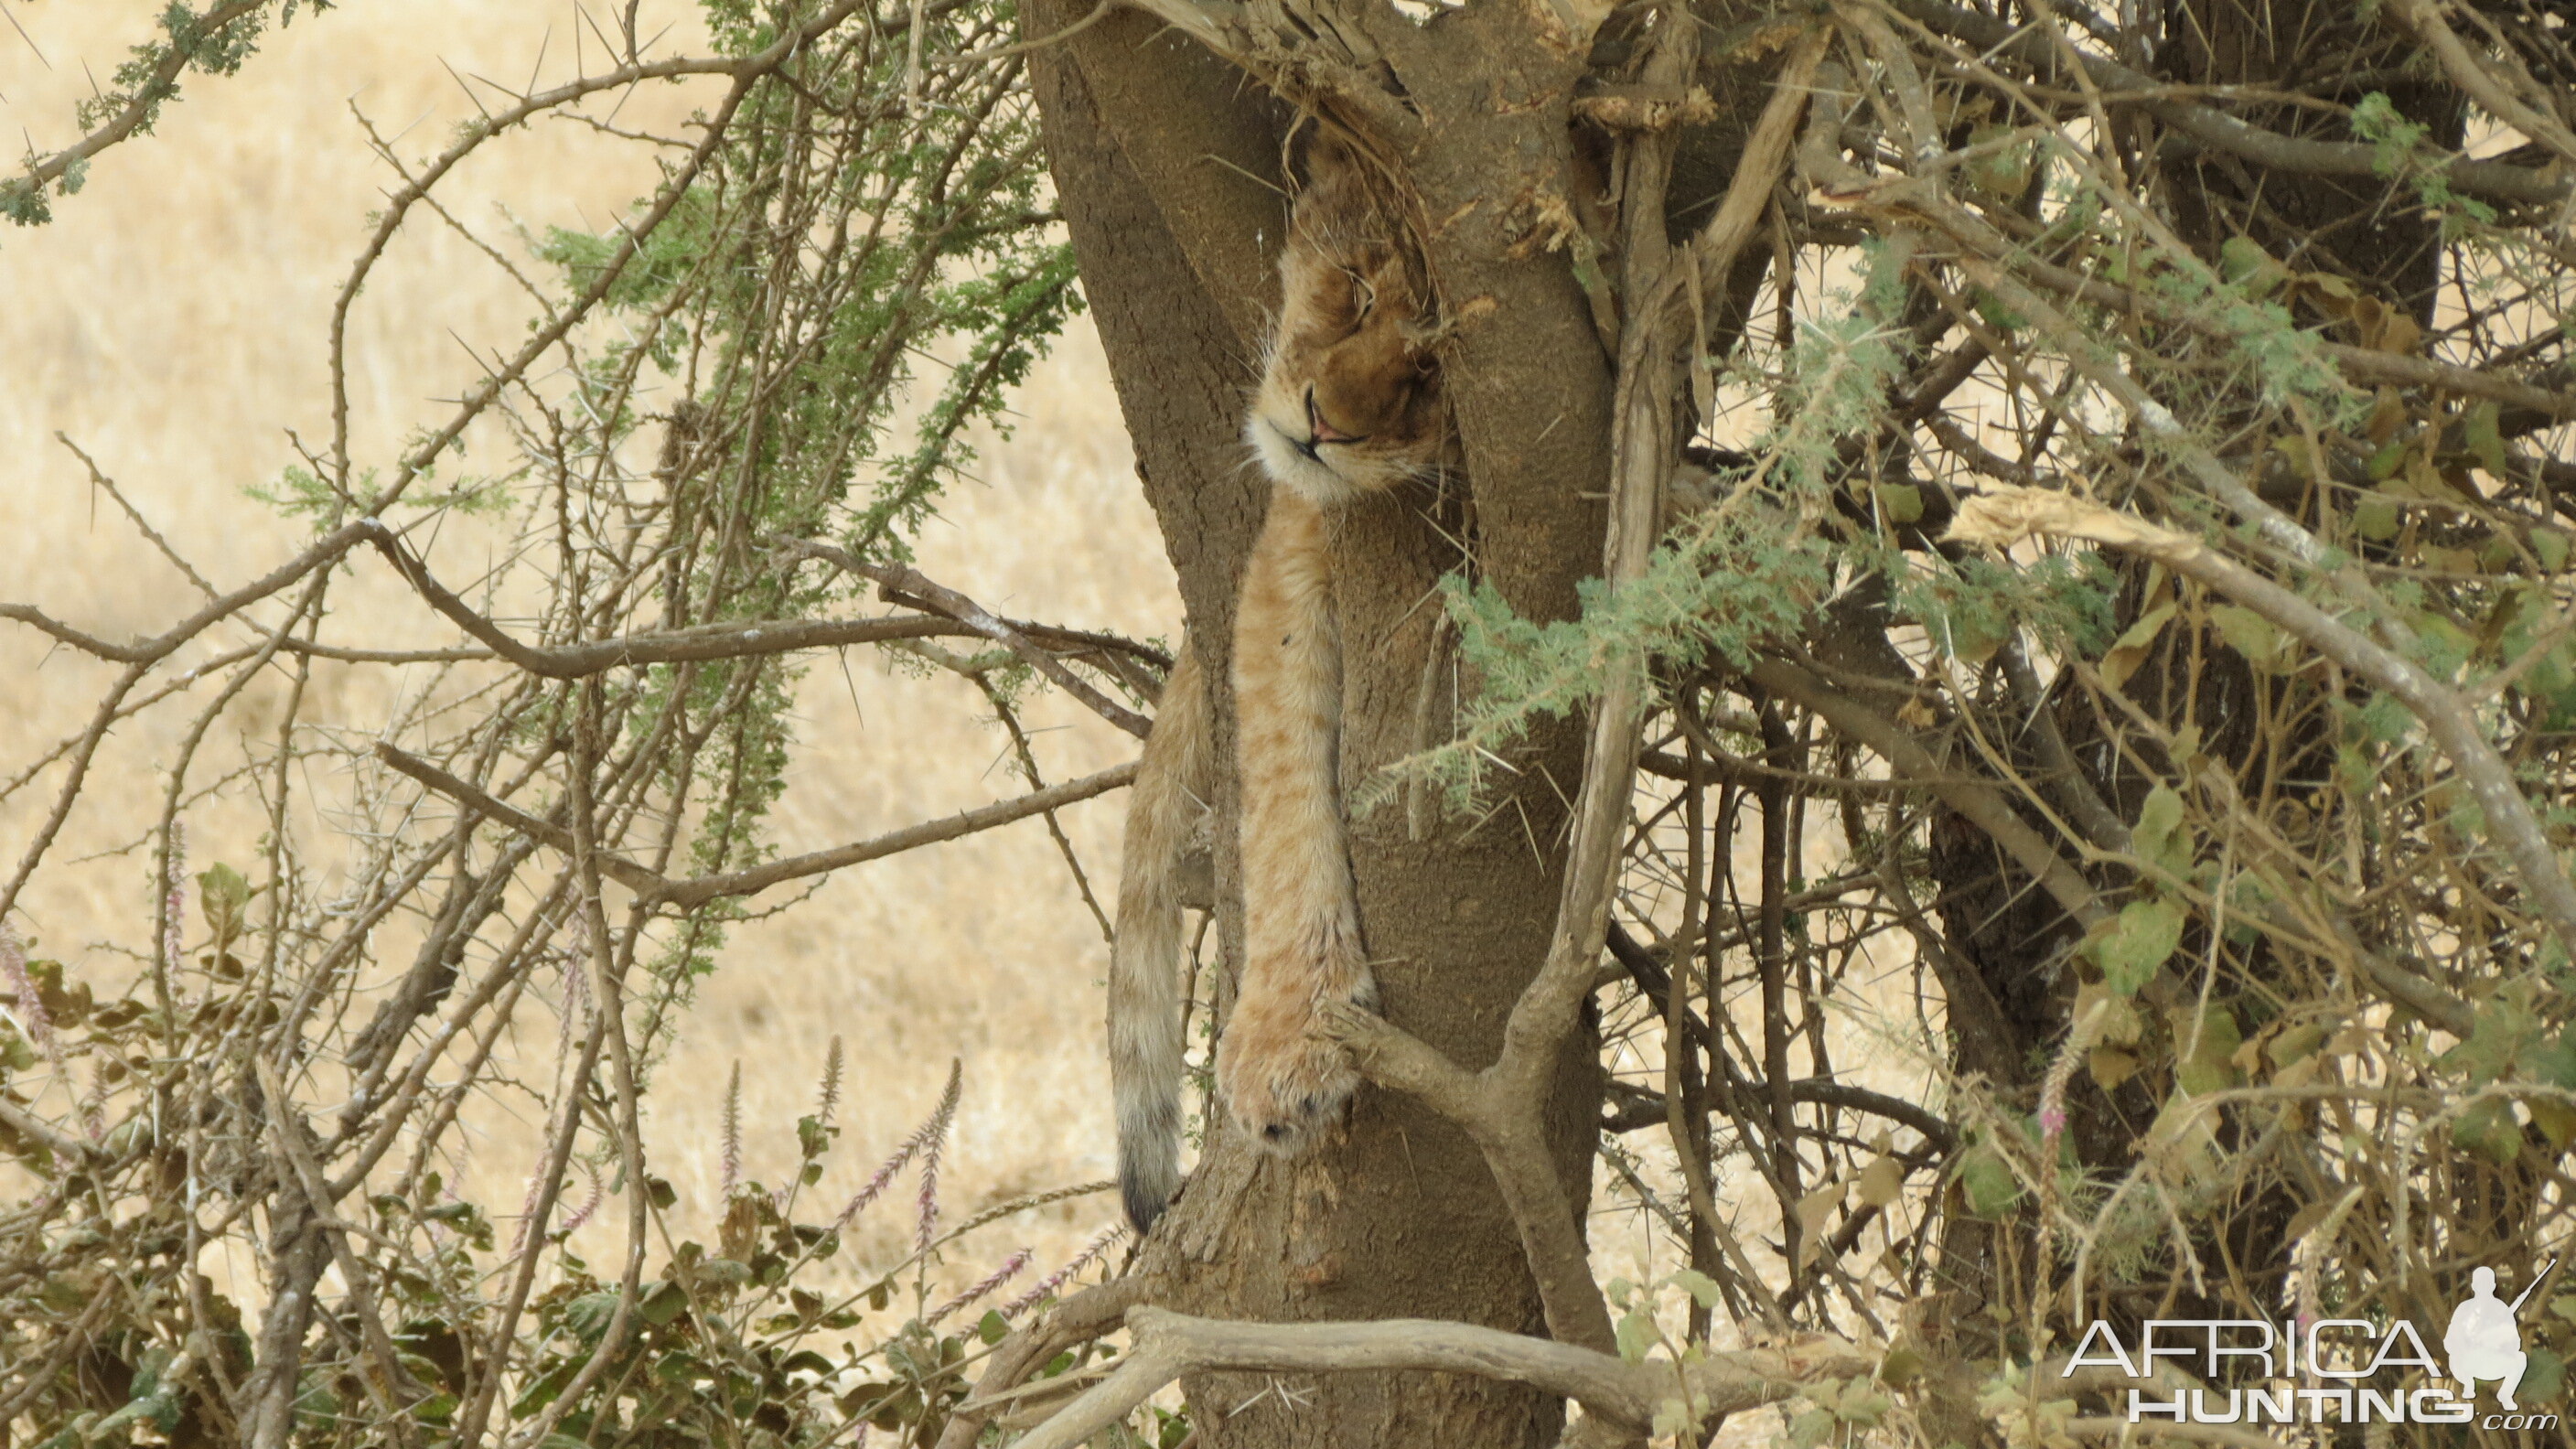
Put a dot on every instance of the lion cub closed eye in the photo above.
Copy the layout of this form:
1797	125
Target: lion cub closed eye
1349	400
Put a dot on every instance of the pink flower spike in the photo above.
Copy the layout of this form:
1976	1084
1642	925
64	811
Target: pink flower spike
1010	1269
31	1006
1039	1290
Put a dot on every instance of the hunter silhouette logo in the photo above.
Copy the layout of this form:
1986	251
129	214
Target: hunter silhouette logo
2485	1341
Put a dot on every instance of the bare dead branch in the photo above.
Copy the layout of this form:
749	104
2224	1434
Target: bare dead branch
686	893
910	581
322	551
733	640
65	1147
639	879
1169	1345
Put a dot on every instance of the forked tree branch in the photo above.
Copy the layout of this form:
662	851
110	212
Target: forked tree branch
1503	1107
1086	1315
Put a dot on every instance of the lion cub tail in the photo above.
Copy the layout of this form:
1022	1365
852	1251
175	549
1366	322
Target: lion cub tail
1145	1045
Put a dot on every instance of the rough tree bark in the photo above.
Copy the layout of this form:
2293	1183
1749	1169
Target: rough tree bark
1165	160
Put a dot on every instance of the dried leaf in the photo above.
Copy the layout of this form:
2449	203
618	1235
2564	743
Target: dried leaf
2110	1066
2130	650
1881	1182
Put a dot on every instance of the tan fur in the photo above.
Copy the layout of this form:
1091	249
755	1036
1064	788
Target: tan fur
1349	404
1145	1046
1301	929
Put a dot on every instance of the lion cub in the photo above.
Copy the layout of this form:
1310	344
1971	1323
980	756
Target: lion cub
1349	404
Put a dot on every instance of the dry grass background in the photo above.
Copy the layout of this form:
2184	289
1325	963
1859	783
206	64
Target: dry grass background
172	322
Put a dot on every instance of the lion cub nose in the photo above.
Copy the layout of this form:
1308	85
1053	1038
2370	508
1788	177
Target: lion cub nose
1320	432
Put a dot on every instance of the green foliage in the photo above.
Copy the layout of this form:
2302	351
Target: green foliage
1713	591
2401	148
793	338
301	493
1970	606
760	1328
1837	1405
830	386
143	86
1750	569
2141	939
1986	1181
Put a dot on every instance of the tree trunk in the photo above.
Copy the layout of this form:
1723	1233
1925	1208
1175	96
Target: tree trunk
1398	1217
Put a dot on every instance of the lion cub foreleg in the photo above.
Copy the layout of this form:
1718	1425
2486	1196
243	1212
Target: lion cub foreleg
1280	1076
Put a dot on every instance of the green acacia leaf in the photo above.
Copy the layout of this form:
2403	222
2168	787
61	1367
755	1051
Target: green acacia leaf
2485	438
1636	1335
2248	633
2138	943
2161	839
2488	1129
1702	1288
2211	1038
1988	1181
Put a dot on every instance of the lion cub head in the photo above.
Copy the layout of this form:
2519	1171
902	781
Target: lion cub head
1349	401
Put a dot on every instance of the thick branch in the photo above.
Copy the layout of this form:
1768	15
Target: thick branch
69	1150
1644	1108
324	550
707	641
1169	1345
2032	47
1502	1108
701	889
1079	1319
627	873
698	890
2006	516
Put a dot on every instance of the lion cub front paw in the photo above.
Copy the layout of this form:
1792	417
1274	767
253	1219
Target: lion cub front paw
1280	1075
